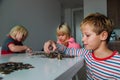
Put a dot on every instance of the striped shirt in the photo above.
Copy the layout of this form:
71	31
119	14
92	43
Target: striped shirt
96	68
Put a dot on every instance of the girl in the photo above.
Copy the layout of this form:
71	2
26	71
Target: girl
64	36
13	42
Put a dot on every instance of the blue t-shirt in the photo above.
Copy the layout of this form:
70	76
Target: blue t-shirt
9	40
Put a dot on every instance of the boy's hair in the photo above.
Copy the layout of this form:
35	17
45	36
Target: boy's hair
64	28
99	23
18	28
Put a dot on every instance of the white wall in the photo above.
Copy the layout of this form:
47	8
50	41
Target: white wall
40	17
92	6
68	16
73	16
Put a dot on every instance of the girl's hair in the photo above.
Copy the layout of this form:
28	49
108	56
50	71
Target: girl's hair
99	23
64	29
18	28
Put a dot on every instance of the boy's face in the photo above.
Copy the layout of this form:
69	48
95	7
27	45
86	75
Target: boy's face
90	40
20	37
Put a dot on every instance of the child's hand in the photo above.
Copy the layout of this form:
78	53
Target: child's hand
49	45
29	50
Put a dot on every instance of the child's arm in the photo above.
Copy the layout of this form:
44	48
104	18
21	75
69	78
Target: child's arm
18	48
63	49
71	51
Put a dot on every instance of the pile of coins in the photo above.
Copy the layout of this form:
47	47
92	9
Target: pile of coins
8	67
57	55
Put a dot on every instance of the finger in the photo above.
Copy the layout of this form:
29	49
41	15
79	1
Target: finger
46	48
54	46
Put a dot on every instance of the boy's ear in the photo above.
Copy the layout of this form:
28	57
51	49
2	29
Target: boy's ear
104	35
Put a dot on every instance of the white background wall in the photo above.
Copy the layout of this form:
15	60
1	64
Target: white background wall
40	17
92	6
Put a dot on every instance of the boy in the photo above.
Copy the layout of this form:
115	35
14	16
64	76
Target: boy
101	62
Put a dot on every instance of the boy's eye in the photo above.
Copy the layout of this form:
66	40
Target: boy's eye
87	35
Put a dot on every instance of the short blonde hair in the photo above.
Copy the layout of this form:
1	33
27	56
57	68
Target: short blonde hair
99	23
64	28
18	28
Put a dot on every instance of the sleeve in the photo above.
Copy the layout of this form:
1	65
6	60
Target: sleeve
72	51
6	43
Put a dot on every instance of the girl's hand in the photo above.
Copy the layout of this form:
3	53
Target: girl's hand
29	50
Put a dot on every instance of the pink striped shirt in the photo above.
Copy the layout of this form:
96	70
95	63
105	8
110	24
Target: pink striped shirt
96	68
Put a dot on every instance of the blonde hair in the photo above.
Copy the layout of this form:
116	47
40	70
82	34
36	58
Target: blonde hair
18	28
99	23
64	29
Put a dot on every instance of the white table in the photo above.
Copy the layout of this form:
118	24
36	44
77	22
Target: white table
45	68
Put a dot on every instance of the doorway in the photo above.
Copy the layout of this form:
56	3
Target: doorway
77	16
